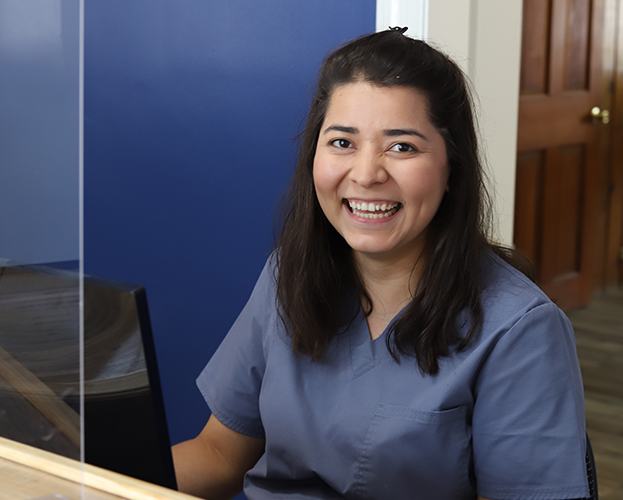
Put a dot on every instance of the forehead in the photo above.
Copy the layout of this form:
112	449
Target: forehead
382	105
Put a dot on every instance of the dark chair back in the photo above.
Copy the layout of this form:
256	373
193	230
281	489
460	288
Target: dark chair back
591	471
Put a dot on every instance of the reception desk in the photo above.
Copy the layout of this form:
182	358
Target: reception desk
33	474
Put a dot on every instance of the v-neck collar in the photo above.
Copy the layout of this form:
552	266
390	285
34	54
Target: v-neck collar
364	351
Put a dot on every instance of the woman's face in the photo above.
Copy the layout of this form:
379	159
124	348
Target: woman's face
380	168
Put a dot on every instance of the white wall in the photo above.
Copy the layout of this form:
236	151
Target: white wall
484	38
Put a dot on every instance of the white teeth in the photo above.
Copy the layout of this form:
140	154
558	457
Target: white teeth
368	215
371	207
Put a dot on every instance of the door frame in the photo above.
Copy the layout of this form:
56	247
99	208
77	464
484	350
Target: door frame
613	258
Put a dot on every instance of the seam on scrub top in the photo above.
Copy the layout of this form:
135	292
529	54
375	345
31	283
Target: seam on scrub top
234	424
362	465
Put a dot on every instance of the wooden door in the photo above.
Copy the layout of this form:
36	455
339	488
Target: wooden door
561	195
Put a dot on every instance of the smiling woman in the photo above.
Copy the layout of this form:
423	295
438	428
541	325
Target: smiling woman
390	155
389	350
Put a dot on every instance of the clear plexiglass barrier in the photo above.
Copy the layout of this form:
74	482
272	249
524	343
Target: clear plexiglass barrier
39	358
39	224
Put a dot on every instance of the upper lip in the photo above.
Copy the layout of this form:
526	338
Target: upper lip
365	200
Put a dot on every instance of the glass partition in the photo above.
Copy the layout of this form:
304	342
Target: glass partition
39	224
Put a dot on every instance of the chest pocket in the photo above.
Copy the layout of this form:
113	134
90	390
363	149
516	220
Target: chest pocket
412	454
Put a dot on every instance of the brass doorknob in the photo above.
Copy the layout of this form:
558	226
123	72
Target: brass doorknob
600	114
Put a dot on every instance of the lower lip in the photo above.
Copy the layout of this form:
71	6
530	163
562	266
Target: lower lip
374	222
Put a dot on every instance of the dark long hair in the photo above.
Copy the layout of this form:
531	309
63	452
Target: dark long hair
316	273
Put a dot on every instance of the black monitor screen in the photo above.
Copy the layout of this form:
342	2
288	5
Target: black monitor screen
124	422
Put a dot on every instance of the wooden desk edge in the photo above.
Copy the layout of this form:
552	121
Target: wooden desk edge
85	474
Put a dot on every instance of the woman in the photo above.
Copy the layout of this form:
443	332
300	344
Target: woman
387	350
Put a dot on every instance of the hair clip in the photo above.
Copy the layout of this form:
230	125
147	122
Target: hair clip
398	28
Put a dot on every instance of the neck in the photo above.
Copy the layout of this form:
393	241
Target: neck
389	283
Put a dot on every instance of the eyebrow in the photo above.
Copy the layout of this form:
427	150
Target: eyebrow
395	132
341	128
392	132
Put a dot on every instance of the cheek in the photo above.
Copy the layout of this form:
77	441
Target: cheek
326	177
427	185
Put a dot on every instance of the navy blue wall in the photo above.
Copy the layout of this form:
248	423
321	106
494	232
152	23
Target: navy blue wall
191	114
39	124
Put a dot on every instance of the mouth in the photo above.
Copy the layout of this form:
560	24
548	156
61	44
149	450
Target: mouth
372	210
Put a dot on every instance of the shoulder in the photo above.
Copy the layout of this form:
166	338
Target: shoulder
513	303
257	320
263	298
506	291
263	303
266	286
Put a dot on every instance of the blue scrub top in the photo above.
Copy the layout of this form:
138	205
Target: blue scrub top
503	419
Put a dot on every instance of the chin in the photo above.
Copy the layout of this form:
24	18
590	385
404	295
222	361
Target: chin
371	248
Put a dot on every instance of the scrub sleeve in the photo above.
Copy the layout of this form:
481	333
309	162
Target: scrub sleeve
528	416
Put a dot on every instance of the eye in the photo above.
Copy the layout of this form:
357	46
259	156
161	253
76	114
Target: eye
403	147
341	143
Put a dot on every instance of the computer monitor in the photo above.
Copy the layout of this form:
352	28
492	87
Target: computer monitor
124	418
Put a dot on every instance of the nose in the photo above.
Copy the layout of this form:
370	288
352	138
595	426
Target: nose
368	169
